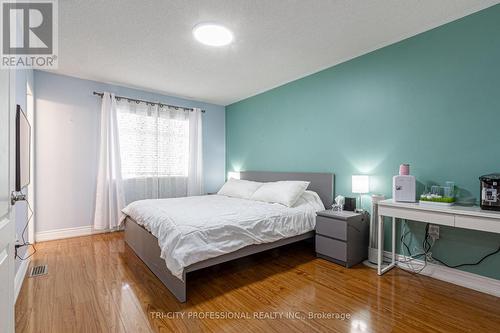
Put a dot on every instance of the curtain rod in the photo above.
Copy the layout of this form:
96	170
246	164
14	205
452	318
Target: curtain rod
100	94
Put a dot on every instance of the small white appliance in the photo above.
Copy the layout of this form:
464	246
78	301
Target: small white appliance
404	188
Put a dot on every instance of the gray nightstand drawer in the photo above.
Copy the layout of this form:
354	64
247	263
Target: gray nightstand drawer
331	227
333	248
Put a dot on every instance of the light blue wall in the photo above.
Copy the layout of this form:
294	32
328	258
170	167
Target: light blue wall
67	123
432	101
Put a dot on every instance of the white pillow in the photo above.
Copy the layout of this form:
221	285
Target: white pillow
283	192
310	199
239	188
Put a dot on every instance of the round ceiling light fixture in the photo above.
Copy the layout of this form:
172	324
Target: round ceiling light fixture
212	34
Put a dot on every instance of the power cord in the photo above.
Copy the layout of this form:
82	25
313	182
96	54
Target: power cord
468	264
427	245
24	242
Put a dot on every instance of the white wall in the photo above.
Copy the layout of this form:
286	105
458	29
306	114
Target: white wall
67	122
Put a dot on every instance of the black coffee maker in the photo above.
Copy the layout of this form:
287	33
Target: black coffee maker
490	191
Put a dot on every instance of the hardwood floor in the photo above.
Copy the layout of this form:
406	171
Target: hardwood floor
97	284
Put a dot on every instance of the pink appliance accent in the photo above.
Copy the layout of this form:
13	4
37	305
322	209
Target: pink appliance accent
404	169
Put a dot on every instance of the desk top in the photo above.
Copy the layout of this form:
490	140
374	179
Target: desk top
455	209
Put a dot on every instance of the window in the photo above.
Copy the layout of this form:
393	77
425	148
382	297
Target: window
153	142
159	147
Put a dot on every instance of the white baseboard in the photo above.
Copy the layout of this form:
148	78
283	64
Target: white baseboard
465	279
19	279
66	233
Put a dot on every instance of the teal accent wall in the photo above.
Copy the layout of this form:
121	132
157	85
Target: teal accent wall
432	100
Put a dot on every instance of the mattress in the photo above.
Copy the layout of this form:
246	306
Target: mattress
193	229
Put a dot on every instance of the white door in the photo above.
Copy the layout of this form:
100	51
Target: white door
7	233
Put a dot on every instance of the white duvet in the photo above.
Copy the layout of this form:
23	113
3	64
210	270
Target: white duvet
194	229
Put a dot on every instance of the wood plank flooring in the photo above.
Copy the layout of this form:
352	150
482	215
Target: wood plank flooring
97	284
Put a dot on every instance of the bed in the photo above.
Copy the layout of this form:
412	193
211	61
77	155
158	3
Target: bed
204	243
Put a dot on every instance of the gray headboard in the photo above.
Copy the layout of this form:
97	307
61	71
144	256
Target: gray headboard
321	183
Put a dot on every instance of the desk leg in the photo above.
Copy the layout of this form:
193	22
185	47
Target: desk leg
380	225
393	241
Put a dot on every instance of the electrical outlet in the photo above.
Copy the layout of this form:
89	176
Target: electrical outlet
434	231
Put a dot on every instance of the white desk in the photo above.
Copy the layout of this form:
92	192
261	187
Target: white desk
454	216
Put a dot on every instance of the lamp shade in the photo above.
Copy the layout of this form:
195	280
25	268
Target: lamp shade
360	184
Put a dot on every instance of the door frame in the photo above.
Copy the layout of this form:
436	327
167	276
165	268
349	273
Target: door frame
8	228
30	112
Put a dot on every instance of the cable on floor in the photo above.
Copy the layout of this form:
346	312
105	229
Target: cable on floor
24	242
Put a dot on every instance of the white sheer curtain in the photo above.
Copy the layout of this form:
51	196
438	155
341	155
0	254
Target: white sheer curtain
161	151
146	151
195	169
109	193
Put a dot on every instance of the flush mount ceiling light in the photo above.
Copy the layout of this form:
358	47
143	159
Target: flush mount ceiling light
212	34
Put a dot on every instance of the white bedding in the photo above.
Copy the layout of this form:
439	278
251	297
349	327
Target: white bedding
193	229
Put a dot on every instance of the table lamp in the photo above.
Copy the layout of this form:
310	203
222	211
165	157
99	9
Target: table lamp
360	185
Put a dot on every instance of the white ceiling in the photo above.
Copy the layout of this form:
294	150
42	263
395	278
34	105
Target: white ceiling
149	45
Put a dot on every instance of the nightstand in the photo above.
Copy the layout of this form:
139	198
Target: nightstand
342	237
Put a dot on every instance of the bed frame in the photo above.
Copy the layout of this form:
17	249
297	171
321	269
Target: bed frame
145	245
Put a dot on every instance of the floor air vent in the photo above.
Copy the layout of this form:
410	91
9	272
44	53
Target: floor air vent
38	270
